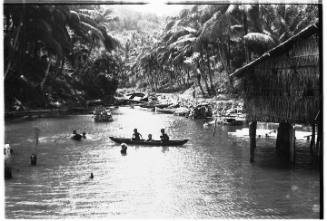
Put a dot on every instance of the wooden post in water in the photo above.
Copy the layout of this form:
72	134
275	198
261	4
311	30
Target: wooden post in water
291	144
8	168
282	138
253	134
313	137
318	144
33	157
285	141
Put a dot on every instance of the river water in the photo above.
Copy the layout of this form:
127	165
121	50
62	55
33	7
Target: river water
209	177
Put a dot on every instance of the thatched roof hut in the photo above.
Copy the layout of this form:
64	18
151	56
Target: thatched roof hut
284	84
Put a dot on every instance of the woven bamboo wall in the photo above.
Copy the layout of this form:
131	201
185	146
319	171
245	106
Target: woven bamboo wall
286	88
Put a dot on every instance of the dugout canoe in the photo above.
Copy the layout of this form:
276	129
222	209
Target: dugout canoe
149	143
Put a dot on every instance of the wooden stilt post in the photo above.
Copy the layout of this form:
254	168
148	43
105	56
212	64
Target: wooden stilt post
8	172
320	148
318	144
292	144
7	158
252	133
285	141
312	144
282	137
33	157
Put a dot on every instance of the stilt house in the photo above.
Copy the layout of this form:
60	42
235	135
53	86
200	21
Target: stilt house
284	86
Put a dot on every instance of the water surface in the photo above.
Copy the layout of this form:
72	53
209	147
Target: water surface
209	177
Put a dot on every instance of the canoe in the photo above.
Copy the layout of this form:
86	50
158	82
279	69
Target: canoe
149	143
150	106
102	118
166	110
162	105
182	111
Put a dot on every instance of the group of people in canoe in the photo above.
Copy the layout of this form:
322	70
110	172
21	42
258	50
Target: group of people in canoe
137	136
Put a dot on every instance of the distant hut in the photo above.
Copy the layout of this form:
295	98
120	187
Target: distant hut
284	86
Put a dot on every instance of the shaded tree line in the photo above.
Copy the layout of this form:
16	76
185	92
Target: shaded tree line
58	54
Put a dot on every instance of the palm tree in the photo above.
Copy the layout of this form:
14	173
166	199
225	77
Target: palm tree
41	38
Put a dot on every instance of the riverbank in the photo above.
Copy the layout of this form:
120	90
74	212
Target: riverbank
220	105
39	113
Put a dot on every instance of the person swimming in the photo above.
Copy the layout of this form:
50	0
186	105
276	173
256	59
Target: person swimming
76	136
33	159
123	150
91	176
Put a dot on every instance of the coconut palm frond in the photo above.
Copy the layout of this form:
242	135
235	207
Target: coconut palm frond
93	30
170	25
40	25
74	18
259	42
237	27
107	12
190	30
86	11
111	42
184	13
88	19
258	37
182	41
214	28
176	35
231	8
53	45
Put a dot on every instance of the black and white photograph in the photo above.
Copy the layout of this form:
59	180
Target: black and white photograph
162	109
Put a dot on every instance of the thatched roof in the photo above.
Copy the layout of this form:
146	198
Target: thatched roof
284	84
279	49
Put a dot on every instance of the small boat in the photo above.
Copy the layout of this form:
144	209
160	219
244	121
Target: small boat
147	106
182	111
103	118
231	121
102	115
166	110
149	143
162	105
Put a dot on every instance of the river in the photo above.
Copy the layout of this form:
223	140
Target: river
209	177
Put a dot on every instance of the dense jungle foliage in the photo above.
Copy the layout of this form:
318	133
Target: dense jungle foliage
204	44
58	55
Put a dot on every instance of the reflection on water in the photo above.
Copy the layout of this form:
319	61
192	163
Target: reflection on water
209	177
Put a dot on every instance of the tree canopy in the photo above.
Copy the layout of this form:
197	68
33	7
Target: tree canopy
71	53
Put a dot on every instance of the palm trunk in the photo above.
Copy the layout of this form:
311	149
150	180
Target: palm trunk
14	47
245	24
222	58
188	76
148	80
212	88
228	53
47	71
198	77
204	76
59	72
